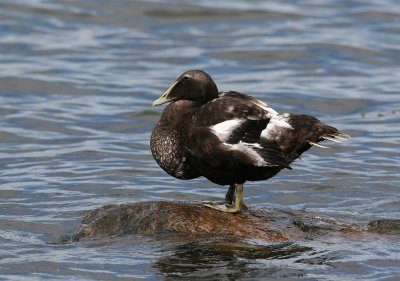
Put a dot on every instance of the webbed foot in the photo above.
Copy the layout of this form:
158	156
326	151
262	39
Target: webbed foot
224	207
230	205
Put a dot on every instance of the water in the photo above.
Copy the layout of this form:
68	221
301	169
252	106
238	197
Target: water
77	80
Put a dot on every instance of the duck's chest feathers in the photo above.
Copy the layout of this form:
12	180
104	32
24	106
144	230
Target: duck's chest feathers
167	151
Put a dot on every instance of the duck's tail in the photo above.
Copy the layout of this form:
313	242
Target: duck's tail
309	131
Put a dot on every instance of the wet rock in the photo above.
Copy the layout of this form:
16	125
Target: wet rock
167	218
384	226
164	219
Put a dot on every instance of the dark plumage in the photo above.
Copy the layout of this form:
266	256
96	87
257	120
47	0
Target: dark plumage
228	137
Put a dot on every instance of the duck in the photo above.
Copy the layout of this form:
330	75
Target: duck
229	137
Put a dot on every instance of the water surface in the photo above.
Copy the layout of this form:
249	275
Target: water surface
76	86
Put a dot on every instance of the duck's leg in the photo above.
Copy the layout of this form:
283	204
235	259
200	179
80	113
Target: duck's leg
229	197
237	205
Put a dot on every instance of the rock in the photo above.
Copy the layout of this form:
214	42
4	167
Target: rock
163	219
384	226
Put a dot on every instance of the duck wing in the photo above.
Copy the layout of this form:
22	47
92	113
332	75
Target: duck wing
238	122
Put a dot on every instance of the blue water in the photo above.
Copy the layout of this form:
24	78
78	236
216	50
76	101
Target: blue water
77	80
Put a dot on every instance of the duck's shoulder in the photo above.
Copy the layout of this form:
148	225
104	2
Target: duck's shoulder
232	106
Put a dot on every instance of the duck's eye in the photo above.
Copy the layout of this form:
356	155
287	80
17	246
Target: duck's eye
185	77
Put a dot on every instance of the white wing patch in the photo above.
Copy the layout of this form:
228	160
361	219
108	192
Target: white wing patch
230	109
275	125
264	106
248	148
224	129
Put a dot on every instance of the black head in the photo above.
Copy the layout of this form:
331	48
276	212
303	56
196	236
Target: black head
193	85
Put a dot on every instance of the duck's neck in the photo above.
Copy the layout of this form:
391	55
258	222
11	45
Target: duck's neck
177	112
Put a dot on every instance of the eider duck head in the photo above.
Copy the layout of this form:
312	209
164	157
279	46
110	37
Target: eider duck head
193	85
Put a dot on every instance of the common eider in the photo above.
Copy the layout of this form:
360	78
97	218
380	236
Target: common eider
228	137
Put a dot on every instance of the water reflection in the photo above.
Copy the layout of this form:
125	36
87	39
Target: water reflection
229	260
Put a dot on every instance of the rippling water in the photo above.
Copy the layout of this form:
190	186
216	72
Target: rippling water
77	80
